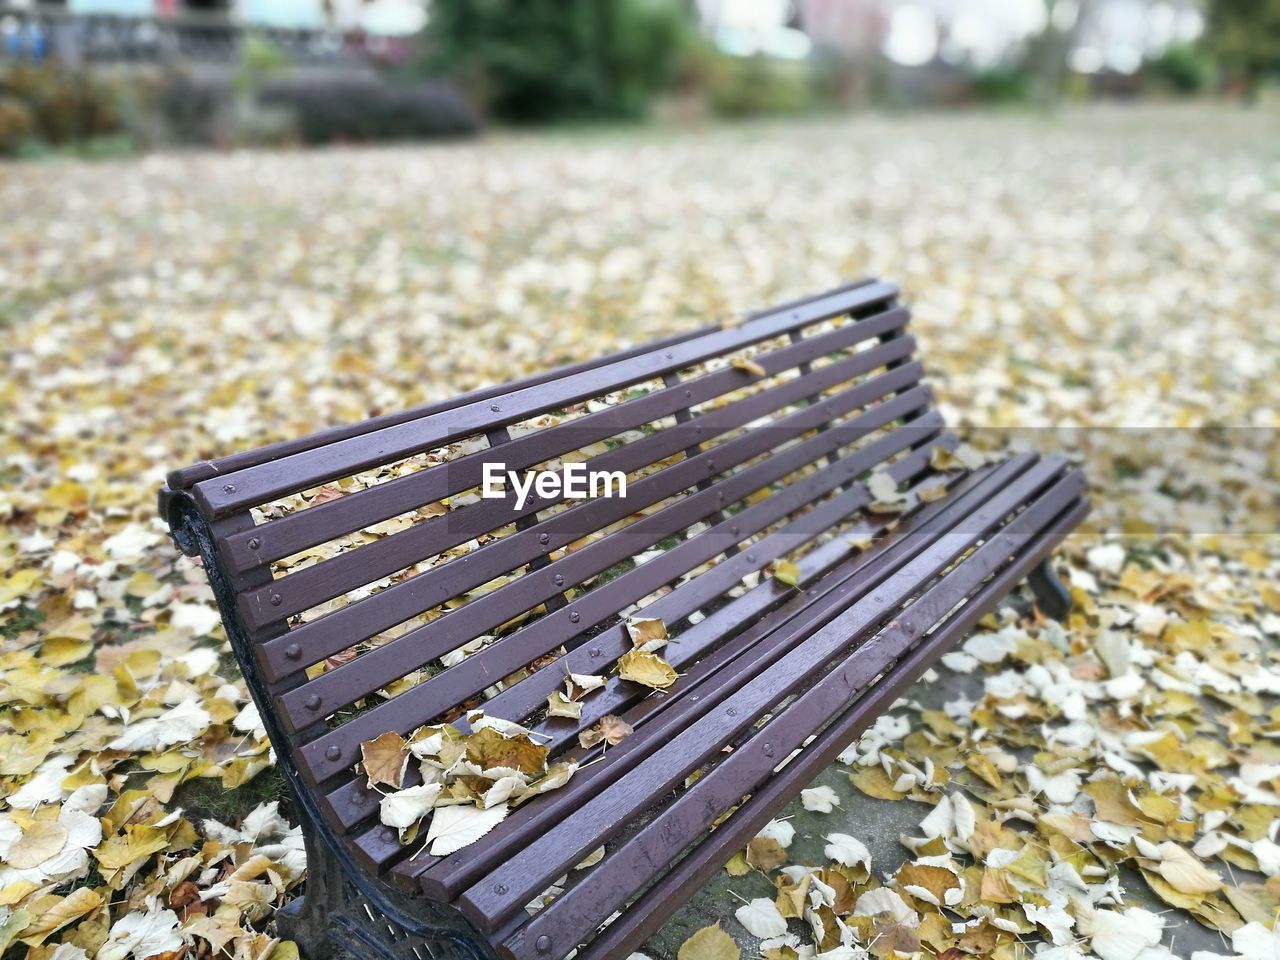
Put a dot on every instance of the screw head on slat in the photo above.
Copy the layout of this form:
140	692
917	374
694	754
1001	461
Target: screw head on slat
543	944
293	651
499	888
254	543
575	616
333	754
732	711
558	580
495	407
751	558
313	703
229	488
767	749
276	600
594	651
544	538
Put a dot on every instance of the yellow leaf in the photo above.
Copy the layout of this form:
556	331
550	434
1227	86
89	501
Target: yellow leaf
1184	872
488	748
77	904
11	926
709	943
874	782
558	706
647	633
784	571
40	841
737	865
136	842
648	669
749	366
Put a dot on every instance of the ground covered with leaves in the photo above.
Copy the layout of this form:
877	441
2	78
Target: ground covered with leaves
1111	273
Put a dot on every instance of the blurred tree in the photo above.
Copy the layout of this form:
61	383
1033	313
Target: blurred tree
1047	53
542	60
1245	34
1181	69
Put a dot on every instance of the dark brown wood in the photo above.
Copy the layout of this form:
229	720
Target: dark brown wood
351	802
644	916
295	532
729	472
315	584
264	482
526	872
437	694
590	901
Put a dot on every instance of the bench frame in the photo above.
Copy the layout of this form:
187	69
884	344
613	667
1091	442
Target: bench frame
348	909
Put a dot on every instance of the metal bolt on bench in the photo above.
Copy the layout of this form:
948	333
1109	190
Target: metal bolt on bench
732	467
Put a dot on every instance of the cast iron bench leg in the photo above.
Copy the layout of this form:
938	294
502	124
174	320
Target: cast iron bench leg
1052	597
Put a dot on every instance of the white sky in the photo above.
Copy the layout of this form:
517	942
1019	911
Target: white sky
980	32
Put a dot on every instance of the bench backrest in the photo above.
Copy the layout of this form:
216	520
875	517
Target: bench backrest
378	591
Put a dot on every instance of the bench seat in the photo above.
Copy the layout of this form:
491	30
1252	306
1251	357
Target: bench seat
367	588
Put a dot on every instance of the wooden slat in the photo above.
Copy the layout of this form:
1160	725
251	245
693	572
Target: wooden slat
317	524
484	667
644	916
352	802
528	871
188	476
314	641
379	847
644	856
343	458
769	636
343	628
334	576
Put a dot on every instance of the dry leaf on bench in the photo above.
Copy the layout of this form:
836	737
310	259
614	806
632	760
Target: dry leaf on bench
784	571
453	828
558	706
578	685
647	633
385	759
648	669
609	729
404	808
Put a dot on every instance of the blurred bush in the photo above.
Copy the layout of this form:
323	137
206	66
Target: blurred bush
17	123
1181	69
60	106
1245	35
1001	85
357	108
530	61
760	85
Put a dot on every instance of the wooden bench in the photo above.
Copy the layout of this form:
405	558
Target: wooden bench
749	448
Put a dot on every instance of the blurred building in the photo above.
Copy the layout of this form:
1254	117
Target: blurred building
304	31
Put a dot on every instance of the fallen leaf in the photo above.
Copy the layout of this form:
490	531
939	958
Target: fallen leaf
709	943
385	759
647	669
608	729
453	828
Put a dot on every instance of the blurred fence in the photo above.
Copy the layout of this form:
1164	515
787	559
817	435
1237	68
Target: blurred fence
48	32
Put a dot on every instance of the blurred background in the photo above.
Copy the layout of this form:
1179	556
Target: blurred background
111	76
